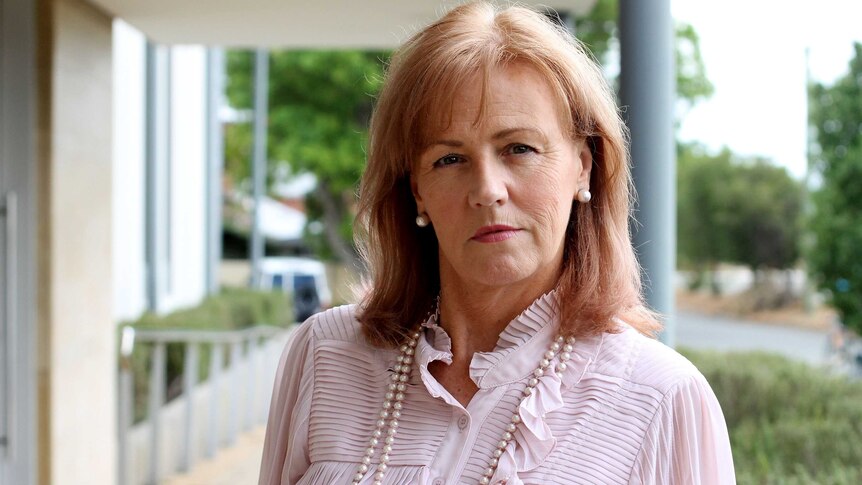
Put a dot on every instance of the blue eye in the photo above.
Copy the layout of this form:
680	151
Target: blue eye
521	149
447	160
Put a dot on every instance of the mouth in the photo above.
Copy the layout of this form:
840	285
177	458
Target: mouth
494	233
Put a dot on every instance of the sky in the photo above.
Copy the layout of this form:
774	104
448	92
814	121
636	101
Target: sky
754	52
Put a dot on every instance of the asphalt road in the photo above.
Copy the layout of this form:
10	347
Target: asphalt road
698	331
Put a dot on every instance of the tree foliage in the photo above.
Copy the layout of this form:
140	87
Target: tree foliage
835	259
736	210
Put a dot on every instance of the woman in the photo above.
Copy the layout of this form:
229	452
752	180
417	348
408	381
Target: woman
502	339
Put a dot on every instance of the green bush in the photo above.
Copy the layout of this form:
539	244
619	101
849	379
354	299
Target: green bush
789	423
232	309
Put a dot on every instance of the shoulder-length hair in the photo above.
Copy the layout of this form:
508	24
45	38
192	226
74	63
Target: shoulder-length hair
600	276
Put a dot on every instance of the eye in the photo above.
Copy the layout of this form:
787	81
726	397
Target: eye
450	159
520	149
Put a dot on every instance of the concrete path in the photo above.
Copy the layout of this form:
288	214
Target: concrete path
239	465
706	332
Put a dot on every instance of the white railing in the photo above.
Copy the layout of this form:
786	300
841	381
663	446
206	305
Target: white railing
208	415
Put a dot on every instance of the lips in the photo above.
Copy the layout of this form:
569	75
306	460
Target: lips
494	233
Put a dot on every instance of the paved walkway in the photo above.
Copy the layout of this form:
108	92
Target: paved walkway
239	464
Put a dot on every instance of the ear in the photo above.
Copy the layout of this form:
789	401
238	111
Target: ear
585	156
414	189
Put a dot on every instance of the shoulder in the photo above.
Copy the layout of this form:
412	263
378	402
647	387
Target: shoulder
338	323
643	361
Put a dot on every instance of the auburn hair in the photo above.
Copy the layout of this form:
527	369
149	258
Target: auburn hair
600	276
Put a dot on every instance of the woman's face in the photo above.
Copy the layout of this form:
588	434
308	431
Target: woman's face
499	192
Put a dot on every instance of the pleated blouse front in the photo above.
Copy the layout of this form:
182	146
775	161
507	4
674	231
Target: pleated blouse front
627	409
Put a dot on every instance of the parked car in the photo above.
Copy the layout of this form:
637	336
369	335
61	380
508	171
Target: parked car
304	278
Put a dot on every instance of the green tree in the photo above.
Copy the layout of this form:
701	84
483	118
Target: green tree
735	210
319	105
836	223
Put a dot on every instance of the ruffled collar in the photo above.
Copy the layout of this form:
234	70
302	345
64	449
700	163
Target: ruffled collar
518	349
516	355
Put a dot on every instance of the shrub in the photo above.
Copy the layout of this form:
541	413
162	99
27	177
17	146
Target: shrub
789	423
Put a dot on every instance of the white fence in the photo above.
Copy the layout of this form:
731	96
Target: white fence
208	415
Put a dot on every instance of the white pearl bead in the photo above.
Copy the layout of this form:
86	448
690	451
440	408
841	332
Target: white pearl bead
538	372
550	354
565	356
384	458
400	358
396	414
489	472
373	442
507	436
363	468
403	349
544	363
387	404
387	449
561	367
357	478
498	453
390	440
409	351
533	382
369	451
366	460
384	414
559	339
379	476
381	467
555	346
501	444
568	348
397	406
511	427
378	482
381	423
570	340
411	342
402	378
399	396
485	481
377	433
495	462
415	335
408	360
516	418
528	391
393	386
395	377
388	396
394	423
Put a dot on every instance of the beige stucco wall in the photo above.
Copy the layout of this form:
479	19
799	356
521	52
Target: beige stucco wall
77	361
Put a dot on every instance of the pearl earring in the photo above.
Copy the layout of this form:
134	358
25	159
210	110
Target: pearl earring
422	220
584	196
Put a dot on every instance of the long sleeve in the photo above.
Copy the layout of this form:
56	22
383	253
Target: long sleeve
687	441
285	450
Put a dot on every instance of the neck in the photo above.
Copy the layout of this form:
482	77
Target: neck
475	316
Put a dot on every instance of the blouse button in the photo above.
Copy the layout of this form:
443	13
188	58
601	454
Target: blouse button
462	422
438	481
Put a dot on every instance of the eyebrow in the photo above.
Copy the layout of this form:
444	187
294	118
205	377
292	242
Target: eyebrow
497	136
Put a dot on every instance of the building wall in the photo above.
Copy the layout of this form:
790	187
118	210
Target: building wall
78	362
128	204
188	178
179	233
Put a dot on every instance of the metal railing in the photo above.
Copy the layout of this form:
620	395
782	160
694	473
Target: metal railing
200	421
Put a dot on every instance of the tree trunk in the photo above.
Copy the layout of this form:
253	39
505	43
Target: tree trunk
333	215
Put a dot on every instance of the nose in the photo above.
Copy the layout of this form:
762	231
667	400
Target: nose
488	184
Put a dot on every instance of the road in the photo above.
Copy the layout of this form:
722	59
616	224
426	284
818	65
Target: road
698	331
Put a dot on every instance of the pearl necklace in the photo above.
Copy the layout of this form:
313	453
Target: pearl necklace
387	423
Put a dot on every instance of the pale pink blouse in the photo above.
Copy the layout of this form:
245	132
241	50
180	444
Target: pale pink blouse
626	410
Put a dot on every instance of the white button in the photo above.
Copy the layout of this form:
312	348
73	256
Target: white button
438	481
462	422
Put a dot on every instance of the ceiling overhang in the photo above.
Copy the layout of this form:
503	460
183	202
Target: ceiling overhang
326	24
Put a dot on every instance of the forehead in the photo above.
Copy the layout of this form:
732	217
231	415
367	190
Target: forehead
515	94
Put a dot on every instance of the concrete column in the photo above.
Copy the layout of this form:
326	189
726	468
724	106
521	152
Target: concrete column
77	344
647	94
